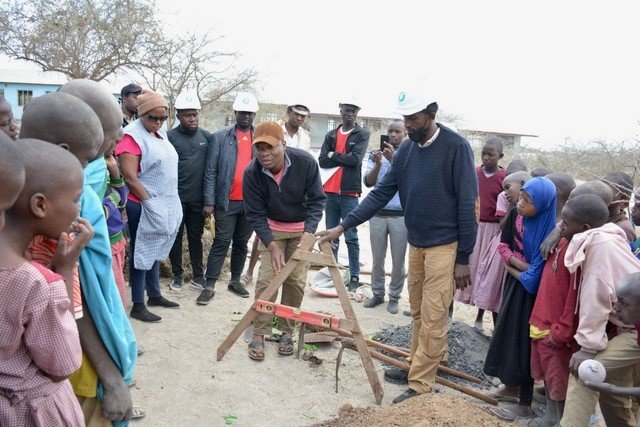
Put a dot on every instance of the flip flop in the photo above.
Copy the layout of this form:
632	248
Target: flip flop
137	413
256	350
503	414
285	345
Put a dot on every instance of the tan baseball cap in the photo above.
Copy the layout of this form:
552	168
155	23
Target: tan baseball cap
269	132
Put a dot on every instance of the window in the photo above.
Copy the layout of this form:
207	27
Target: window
24	96
271	117
331	125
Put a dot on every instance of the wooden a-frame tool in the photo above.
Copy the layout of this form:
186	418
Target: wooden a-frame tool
350	323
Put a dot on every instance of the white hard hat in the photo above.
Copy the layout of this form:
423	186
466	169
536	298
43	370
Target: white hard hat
411	101
245	101
350	100
187	100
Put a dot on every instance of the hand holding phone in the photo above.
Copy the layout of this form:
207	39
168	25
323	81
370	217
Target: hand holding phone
383	139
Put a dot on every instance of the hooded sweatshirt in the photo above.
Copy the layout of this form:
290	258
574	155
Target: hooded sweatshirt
604	258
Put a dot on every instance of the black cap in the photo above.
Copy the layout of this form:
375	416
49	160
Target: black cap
130	88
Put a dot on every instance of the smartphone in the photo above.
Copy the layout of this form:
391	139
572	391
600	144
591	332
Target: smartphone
383	139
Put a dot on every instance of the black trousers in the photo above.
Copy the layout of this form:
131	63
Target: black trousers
193	220
231	225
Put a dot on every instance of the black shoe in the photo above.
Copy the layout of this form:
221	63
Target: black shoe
236	287
139	311
176	285
198	283
354	284
205	296
396	376
406	312
162	302
406	395
392	307
373	302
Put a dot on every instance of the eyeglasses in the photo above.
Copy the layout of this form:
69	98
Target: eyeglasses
157	118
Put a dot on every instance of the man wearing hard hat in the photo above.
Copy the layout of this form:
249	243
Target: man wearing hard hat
434	176
190	141
295	135
228	155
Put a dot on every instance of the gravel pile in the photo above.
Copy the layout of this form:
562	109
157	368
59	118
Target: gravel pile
467	350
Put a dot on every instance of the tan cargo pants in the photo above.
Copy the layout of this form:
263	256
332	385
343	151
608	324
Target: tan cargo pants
431	286
619	359
292	288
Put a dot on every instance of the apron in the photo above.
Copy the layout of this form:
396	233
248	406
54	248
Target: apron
161	214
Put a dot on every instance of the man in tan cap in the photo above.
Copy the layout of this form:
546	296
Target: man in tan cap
283	201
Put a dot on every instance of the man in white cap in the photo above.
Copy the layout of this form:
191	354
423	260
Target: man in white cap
190	141
434	176
228	155
343	150
294	134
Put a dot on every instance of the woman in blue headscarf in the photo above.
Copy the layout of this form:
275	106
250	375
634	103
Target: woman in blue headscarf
508	358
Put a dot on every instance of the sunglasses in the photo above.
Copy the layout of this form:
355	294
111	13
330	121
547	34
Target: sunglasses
157	118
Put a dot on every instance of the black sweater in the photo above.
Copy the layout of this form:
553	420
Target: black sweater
438	189
299	197
192	154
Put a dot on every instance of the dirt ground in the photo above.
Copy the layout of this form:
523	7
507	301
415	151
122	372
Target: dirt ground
179	381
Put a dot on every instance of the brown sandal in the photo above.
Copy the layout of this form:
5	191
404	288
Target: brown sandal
285	345
256	350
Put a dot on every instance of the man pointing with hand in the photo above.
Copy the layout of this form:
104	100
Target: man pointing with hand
434	176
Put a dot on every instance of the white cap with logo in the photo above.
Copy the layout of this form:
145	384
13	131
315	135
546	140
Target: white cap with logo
412	101
350	100
187	100
245	101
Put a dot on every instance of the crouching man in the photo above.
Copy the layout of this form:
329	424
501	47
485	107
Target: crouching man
284	201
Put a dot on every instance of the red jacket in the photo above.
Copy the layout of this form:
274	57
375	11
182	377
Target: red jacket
555	306
488	191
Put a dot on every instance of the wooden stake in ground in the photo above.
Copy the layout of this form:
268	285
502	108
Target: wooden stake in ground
262	304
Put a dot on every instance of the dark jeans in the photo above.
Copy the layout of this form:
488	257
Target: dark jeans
140	279
231	225
337	208
194	221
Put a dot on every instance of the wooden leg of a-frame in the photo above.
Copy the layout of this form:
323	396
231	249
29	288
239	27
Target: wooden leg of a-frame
278	280
358	338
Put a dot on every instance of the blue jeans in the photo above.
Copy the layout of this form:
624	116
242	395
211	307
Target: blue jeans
139	278
337	208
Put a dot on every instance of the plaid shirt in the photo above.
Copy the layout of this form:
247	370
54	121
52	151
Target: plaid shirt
38	339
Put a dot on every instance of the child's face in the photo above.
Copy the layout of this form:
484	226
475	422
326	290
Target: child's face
635	209
569	226
627	309
525	205
63	208
490	157
110	141
512	188
7	123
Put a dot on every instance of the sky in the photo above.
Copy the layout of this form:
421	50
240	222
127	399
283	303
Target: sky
557	69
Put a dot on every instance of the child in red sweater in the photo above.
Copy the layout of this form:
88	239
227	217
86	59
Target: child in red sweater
554	316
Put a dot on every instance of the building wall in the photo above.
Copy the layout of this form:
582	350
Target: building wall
12	92
15	94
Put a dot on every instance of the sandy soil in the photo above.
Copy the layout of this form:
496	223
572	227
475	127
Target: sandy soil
181	383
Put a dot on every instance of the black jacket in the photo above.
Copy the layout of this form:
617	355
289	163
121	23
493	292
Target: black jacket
192	155
222	156
299	197
351	161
